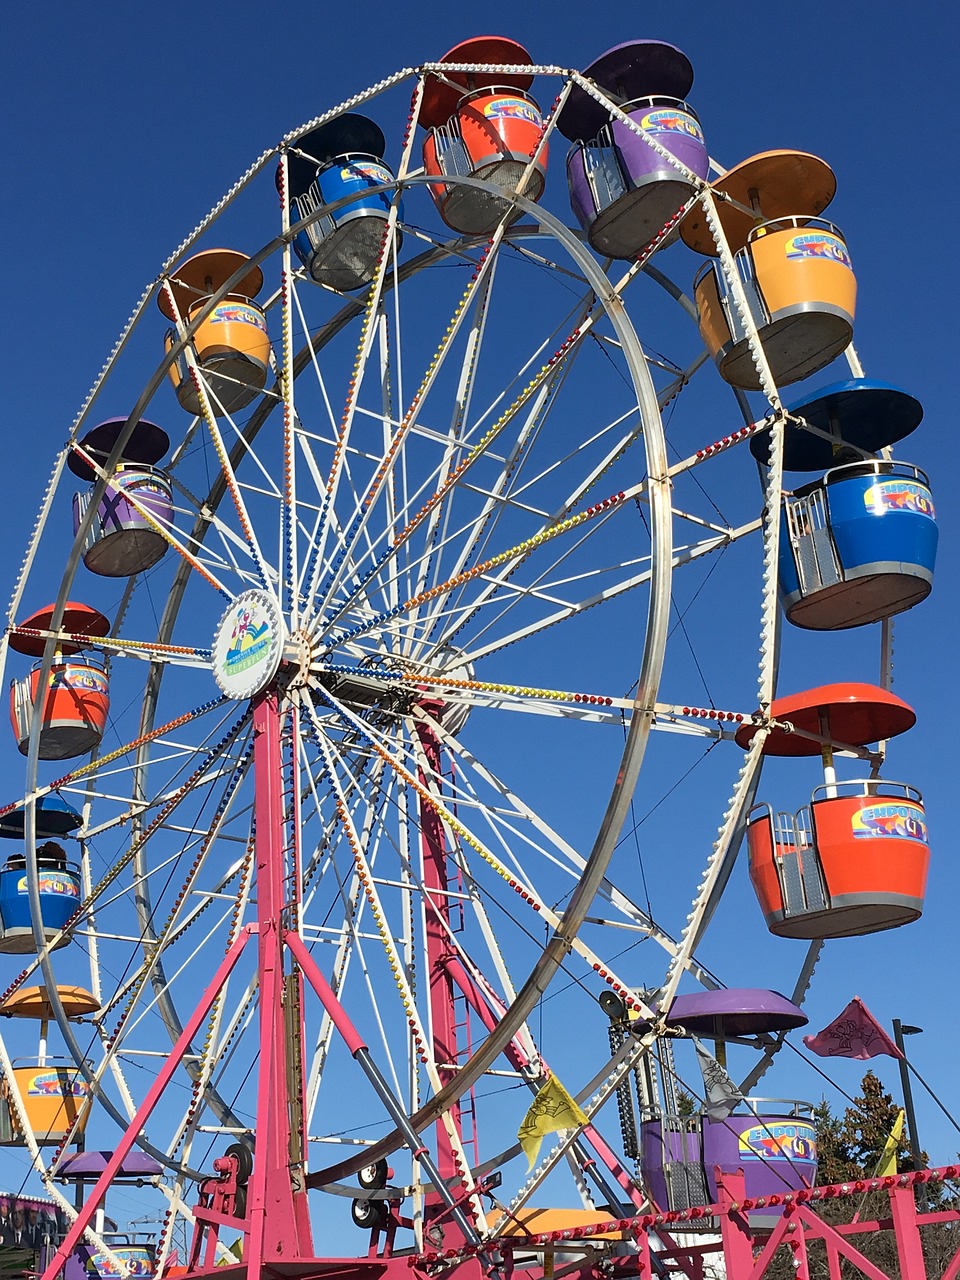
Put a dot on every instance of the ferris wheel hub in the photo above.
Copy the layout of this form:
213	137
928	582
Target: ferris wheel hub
379	689
296	660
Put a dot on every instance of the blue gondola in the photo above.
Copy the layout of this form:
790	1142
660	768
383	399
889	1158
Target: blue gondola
340	159
59	884
858	544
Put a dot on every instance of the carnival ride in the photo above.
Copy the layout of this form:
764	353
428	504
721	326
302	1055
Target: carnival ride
386	624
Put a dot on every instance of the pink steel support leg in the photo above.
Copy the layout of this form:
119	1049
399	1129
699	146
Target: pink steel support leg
953	1268
278	1213
734	1227
440	951
903	1210
294	997
279	1223
354	1042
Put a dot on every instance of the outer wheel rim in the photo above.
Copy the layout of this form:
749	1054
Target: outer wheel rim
586	262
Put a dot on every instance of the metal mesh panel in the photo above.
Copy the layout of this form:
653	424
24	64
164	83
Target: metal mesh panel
812	542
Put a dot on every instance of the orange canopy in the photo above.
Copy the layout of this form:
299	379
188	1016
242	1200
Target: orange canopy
34	1002
203	274
855	715
779	184
440	99
78	619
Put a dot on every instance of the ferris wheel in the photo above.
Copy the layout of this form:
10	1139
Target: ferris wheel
374	611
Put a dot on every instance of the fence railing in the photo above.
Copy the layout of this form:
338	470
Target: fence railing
742	1252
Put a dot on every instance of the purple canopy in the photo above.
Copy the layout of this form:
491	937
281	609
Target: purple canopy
635	69
735	1011
147	445
87	1166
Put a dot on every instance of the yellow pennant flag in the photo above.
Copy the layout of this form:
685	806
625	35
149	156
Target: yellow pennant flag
888	1160
551	1110
233	1254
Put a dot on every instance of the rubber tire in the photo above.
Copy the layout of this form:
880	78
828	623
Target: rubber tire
369	1215
373	1177
244	1158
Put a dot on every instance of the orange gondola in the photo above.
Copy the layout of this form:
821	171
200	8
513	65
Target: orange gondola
73	716
794	268
855	860
230	344
483	124
52	1095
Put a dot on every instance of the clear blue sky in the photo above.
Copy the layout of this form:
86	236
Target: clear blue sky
124	123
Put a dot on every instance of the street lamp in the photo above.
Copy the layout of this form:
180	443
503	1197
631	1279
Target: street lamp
901	1029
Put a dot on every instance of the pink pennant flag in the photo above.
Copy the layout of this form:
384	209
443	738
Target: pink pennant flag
855	1033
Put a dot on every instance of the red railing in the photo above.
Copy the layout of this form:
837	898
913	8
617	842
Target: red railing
748	1253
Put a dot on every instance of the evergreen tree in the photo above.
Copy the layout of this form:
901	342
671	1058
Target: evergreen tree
850	1147
686	1103
863	1133
834	1158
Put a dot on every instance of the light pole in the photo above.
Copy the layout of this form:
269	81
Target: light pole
901	1029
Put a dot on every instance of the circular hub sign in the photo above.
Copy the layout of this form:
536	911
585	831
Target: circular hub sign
248	645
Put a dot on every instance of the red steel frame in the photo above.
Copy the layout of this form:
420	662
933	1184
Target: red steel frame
746	1253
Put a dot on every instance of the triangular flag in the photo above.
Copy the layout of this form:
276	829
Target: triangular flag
888	1160
722	1095
854	1033
551	1110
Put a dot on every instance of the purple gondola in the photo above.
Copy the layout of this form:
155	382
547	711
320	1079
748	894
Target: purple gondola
126	533
774	1141
623	190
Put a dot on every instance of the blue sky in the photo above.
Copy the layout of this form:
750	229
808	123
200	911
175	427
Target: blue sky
124	124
